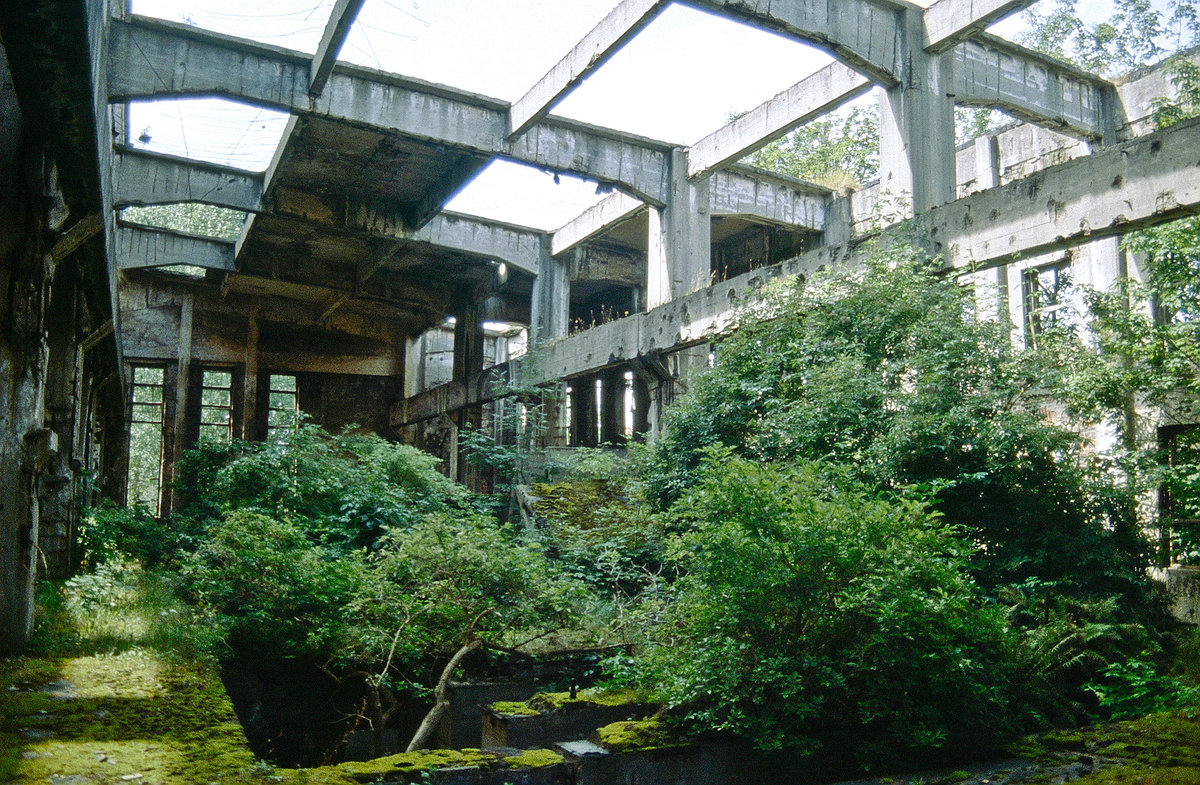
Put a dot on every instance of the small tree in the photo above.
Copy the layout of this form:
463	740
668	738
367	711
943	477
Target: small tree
817	616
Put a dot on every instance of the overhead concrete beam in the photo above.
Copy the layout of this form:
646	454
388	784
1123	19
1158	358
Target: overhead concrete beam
518	246
1130	186
991	72
806	100
155	58
949	21
861	33
138	247
1139	183
611	209
739	190
145	178
772	199
341	19
602	42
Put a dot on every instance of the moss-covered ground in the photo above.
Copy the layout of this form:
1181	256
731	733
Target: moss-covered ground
115	692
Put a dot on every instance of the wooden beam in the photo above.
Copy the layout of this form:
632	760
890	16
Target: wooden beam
336	29
83	230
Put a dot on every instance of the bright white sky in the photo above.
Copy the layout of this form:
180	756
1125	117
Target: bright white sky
678	80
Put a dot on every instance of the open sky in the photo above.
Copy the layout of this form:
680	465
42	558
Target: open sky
679	79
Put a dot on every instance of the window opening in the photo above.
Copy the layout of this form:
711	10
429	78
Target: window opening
216	407
1046	304
283	406
143	481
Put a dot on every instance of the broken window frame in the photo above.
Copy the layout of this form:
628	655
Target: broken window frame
153	501
216	432
288	416
1046	289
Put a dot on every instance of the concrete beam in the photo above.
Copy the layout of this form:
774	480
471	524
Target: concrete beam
602	42
341	19
611	209
142	178
138	247
155	58
1140	183
992	72
145	178
776	200
518	246
806	100
860	33
949	21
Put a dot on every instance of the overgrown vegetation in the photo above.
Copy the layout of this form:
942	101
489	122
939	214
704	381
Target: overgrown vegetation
860	537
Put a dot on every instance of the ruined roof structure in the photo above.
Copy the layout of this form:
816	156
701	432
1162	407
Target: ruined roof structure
348	265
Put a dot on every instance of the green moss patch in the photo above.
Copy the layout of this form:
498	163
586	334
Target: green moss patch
514	709
543	702
648	734
111	716
533	759
1158	749
412	766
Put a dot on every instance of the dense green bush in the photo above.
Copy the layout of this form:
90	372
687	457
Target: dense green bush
887	372
267	588
345	490
816	615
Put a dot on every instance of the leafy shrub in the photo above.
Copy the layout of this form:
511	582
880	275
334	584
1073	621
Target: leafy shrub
887	372
109	532
348	490
267	588
813	614
1133	688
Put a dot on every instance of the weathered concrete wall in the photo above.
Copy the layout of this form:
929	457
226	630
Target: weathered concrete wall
54	356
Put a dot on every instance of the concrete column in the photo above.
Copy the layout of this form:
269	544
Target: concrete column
641	407
182	379
612	406
468	334
987	162
583	412
679	259
916	125
468	361
551	303
250	381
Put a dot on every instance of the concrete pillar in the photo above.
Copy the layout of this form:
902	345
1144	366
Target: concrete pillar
679	259
468	334
987	162
583	412
641	407
468	361
551	303
179	440
250	381
612	406
916	125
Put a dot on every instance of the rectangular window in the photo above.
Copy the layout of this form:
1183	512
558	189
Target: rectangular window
216	407
283	405
143	481
1046	290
